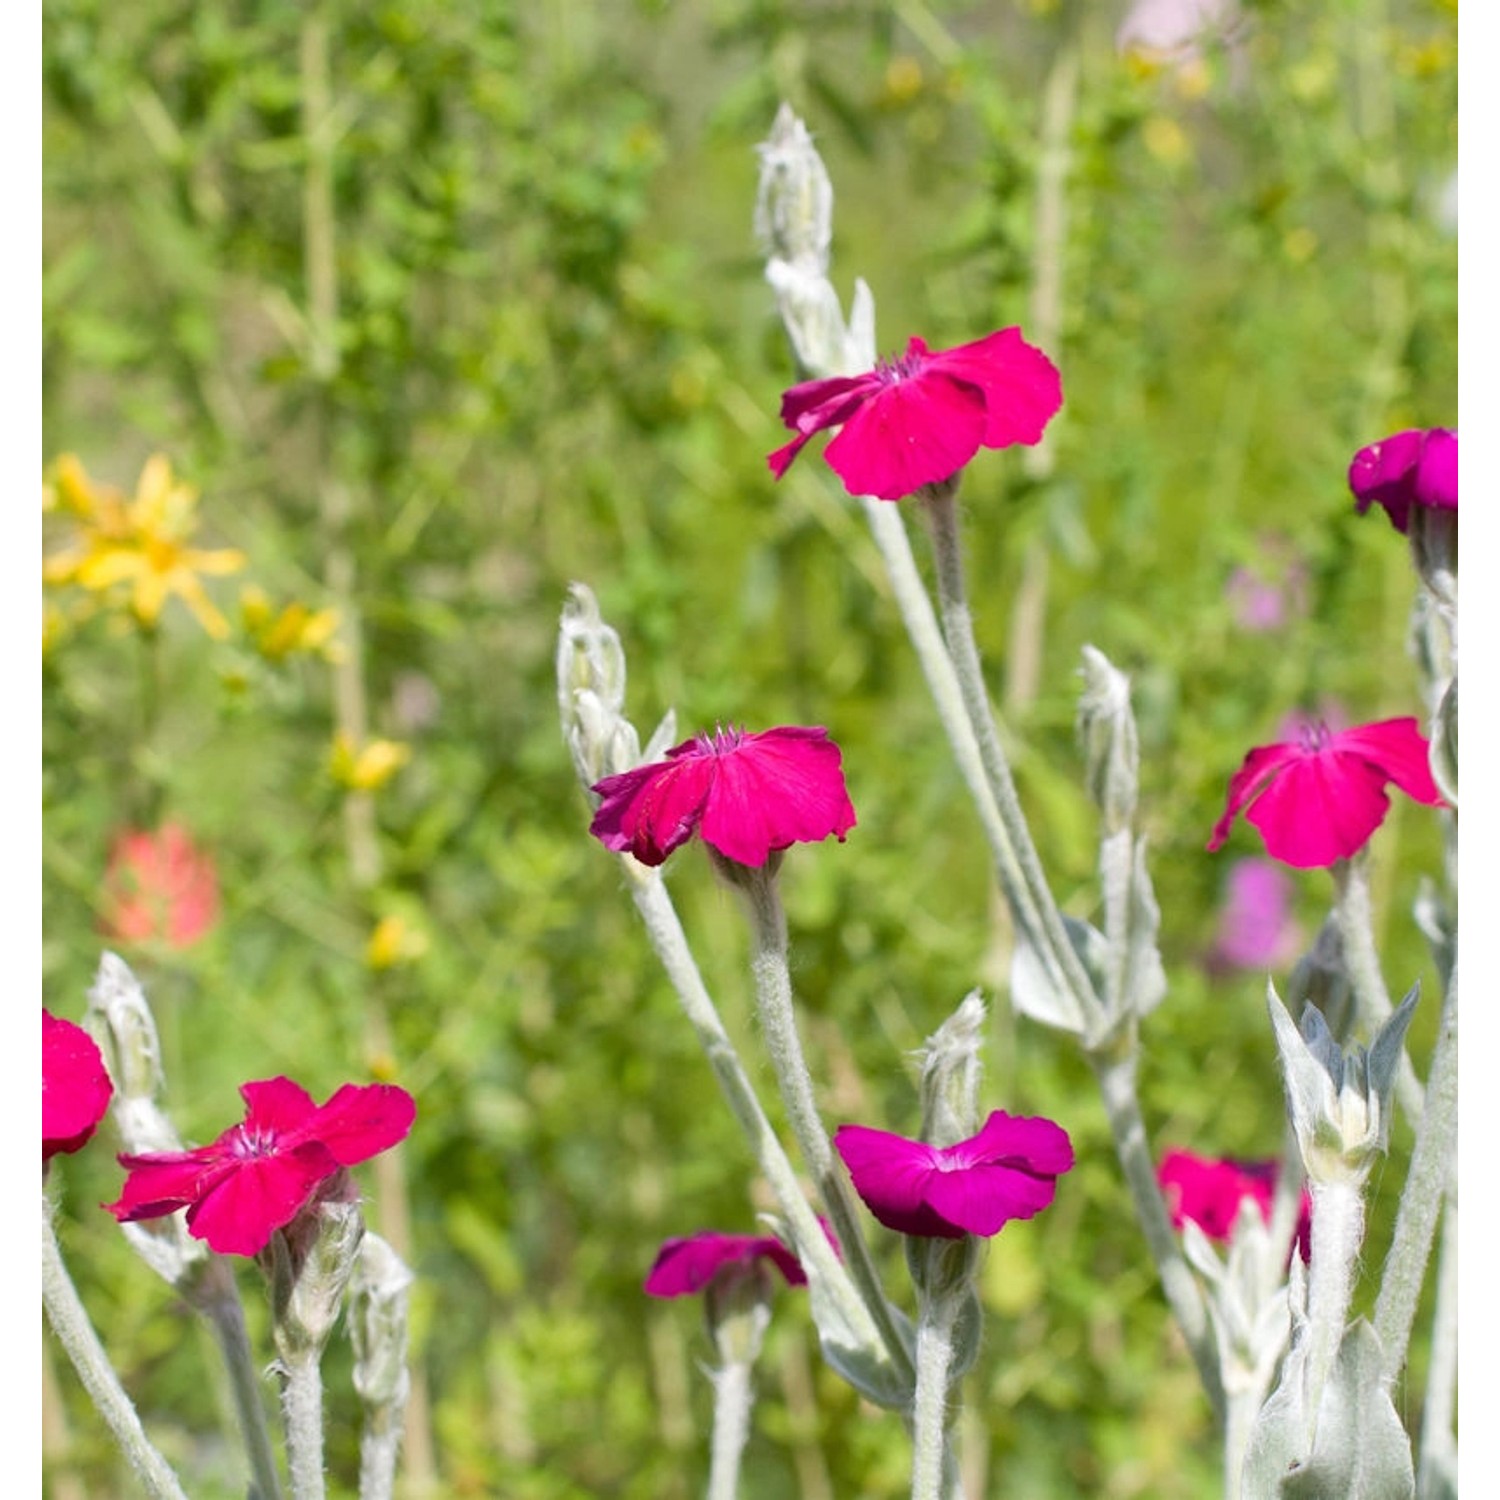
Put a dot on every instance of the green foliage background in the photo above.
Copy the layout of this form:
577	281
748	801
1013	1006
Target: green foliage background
556	359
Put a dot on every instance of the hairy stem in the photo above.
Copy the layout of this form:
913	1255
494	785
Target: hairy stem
732	1398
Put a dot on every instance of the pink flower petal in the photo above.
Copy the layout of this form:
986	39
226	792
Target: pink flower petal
778	788
1417	467
1398	750
76	1088
362	1120
687	1265
1257	769
913	433
276	1106
244	1208
891	1174
1021	386
984	1198
1032	1142
1320	809
164	1181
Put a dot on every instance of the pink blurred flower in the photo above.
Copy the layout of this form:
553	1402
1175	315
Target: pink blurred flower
918	419
1417	467
75	1086
259	1175
159	887
1008	1171
748	794
1209	1192
1268	595
1318	799
1256	930
687	1265
1174	30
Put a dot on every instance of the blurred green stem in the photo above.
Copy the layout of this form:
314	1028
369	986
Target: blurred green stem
350	705
670	943
778	1019
70	1322
226	1316
1028	616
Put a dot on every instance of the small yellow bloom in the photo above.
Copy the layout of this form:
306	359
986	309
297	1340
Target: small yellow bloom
395	941
135	551
367	767
1166	141
277	635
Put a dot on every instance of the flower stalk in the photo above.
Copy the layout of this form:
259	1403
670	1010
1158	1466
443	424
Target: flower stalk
733	1396
936	1321
70	1322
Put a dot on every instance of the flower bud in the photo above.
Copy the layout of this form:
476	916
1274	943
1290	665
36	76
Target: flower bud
308	1265
737	1305
1106	730
1339	1102
794	204
950	1075
591	691
378	1296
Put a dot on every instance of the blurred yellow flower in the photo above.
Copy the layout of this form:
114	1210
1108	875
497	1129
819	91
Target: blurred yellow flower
395	941
277	634
135	551
367	767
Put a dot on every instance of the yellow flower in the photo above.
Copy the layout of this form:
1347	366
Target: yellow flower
135	551
366	768
296	627
395	941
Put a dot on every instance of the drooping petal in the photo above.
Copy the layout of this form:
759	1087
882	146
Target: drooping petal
687	1265
912	433
1021	386
816	405
362	1120
76	1088
239	1213
1398	749
1416	467
1258	768
651	810
777	788
1437	470
164	1181
891	1174
1323	807
1033	1142
983	1198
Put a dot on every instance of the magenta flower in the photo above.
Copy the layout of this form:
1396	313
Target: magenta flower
1418	467
748	794
1318	799
1210	1192
687	1265
1008	1171
75	1086
918	419
1256	930
258	1176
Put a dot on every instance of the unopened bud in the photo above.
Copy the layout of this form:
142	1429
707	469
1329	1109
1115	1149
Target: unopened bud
950	1075
308	1264
1106	730
794	204
379	1292
591	691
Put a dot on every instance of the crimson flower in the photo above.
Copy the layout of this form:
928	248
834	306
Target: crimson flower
1318	799
918	419
159	887
1210	1192
687	1265
258	1176
748	794
1417	467
75	1086
1008	1171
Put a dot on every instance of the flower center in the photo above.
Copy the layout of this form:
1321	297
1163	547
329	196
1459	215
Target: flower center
721	741
249	1143
1314	735
898	368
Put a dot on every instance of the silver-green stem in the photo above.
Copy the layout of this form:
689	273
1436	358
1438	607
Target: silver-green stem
1438	1447
1020	869
70	1322
773	996
302	1411
935	1324
665	933
1372	1001
1427	1179
732	1398
379	1446
1116	1075
1338	1224
226	1316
